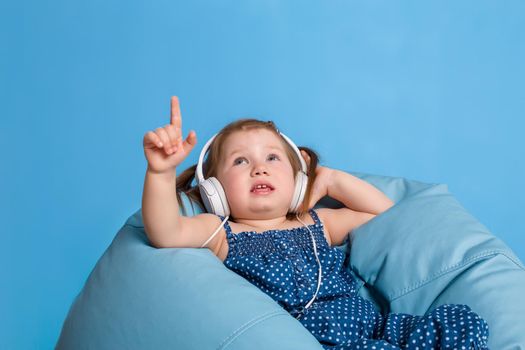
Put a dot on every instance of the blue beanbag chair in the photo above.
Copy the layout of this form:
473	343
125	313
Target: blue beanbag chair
425	251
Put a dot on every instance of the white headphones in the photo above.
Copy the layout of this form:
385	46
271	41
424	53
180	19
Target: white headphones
213	194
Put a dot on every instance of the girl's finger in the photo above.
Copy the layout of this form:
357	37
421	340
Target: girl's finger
172	134
163	135
306	158
176	118
190	142
305	154
152	138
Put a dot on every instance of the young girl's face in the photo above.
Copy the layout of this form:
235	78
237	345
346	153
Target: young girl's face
250	157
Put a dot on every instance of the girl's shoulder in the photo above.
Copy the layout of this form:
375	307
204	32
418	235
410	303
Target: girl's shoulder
341	222
204	230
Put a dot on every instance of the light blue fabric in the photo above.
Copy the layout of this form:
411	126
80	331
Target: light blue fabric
425	251
428	250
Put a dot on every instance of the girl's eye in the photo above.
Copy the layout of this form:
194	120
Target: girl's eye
242	158
235	161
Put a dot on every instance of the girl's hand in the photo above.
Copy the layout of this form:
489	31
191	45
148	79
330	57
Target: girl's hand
164	148
321	184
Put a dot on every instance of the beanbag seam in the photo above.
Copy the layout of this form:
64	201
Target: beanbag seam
130	225
248	325
396	295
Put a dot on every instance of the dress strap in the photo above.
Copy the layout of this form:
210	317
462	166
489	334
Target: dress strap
227	226
315	217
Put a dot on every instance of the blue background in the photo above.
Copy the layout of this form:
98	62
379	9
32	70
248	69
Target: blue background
431	91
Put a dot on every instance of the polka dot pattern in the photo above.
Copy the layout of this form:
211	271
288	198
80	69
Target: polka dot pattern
282	264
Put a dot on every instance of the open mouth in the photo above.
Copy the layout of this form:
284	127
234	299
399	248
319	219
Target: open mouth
262	189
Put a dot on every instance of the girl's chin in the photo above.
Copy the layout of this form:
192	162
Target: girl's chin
264	211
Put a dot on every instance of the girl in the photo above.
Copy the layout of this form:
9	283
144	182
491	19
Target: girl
258	178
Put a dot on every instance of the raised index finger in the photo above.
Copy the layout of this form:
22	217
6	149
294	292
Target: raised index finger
175	112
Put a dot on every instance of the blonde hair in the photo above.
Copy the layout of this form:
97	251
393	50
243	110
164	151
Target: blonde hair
210	165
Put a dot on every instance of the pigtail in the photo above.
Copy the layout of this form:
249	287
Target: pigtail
183	184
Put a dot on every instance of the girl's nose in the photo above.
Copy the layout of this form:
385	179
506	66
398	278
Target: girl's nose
259	170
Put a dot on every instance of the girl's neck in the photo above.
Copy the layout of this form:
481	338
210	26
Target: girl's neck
263	224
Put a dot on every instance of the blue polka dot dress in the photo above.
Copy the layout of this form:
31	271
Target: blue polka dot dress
282	263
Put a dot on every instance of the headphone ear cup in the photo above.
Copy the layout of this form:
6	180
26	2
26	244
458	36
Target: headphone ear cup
214	197
301	181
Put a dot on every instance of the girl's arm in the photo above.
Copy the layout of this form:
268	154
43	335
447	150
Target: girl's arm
160	209
164	226
357	194
363	202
